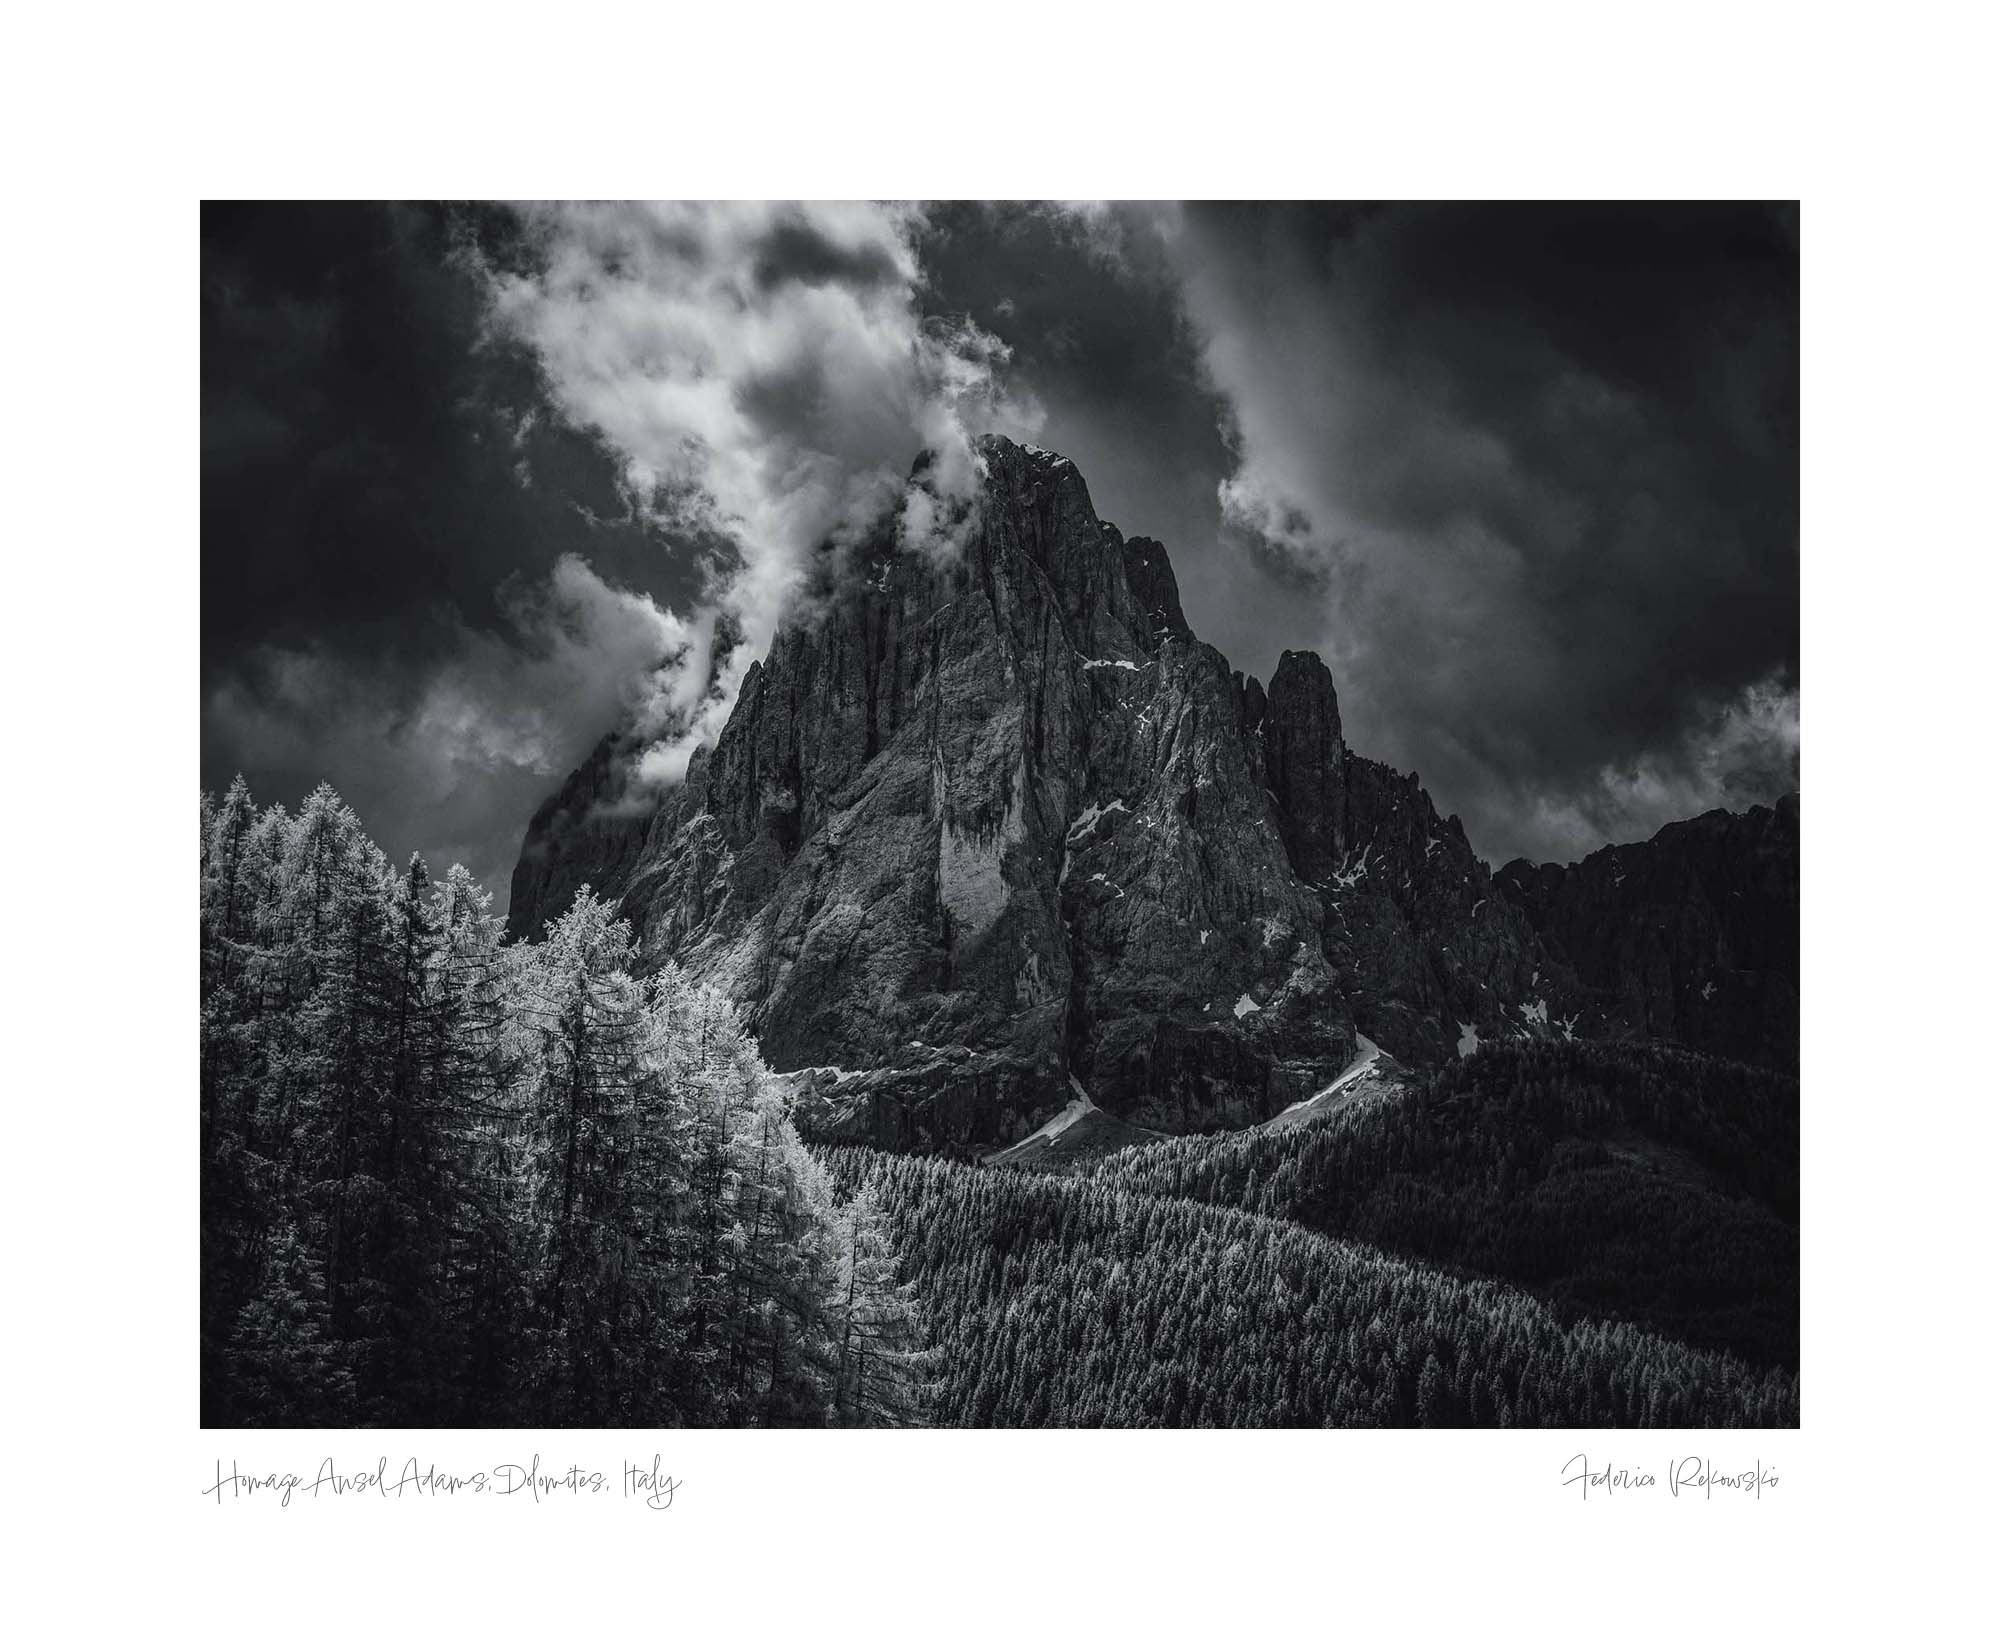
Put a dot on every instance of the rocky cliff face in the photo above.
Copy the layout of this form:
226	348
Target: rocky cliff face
979	831
589	832
1693	934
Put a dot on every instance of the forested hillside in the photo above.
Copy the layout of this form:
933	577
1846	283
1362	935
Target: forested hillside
1071	1300
1633	1181
447	1180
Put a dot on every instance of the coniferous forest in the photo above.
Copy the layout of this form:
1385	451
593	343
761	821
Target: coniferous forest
451	1180
448	1181
1639	1182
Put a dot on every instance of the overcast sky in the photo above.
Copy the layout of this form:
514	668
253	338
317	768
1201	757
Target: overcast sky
479	484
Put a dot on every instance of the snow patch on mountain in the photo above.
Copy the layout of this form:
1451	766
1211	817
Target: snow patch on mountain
1085	824
1052	1129
1351	873
1366	1061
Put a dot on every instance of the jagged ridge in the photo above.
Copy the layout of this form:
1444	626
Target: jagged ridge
974	829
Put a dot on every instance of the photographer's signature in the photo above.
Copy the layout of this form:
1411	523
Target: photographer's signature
1685	1478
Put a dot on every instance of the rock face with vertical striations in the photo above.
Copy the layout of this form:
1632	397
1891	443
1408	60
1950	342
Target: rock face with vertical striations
983	835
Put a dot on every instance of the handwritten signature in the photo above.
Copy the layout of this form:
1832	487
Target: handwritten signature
1684	1477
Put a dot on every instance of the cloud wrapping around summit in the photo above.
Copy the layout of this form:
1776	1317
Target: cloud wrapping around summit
764	378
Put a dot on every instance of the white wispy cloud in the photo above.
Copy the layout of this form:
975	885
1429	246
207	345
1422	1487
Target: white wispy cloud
1743	750
764	376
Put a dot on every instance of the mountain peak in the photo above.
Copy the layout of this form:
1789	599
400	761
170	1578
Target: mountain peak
1002	821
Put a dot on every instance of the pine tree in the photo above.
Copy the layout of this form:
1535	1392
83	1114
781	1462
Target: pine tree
415	1175
883	1370
710	1057
285	1367
474	1086
1433	1401
586	1024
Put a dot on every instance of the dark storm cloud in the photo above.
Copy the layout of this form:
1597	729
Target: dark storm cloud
796	251
385	501
1545	461
449	749
362	458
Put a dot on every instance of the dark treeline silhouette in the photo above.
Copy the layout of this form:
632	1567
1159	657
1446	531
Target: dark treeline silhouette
1073	1300
1635	1181
447	1181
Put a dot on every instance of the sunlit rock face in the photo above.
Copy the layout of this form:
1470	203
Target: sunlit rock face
983	824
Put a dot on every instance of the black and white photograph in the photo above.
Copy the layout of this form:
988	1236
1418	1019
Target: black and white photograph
1000	815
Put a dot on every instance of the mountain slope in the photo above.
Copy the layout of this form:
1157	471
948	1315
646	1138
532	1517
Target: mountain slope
1631	1181
1076	1301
